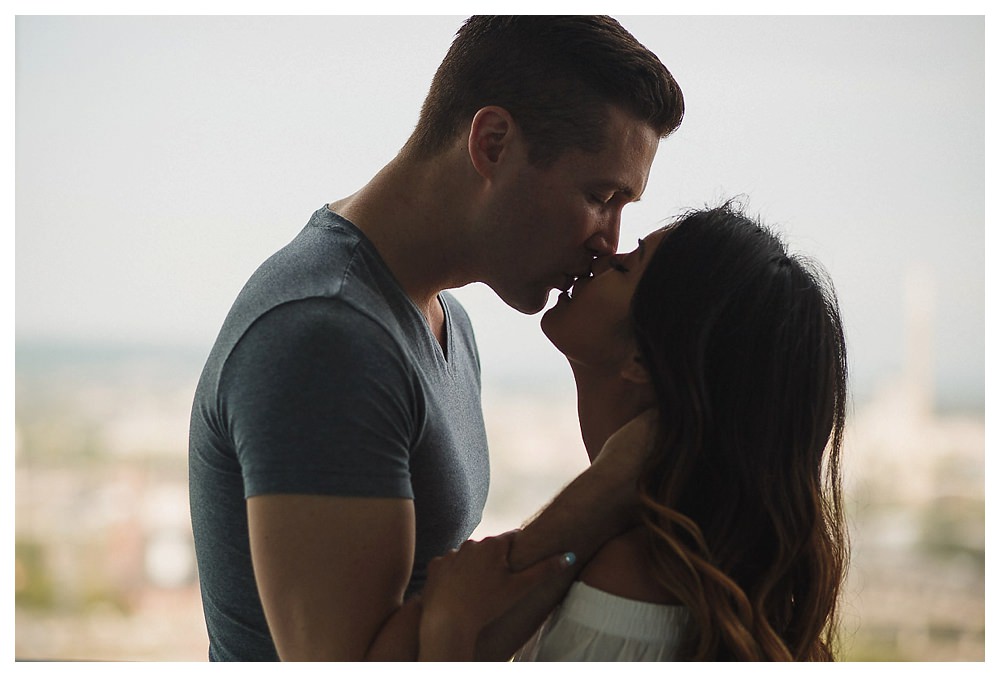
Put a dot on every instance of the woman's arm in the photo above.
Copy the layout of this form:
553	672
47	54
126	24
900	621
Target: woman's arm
469	589
599	504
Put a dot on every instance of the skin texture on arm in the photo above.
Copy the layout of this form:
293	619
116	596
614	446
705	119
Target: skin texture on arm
469	589
598	505
558	528
331	571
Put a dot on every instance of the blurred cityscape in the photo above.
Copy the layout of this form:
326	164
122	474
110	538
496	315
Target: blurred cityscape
104	566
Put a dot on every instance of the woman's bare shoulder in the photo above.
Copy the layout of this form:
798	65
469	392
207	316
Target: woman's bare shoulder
621	568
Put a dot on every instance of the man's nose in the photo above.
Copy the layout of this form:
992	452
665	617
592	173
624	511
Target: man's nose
605	241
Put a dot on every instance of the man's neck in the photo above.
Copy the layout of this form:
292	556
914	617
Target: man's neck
414	214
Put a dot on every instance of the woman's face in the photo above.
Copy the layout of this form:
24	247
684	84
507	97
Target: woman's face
589	324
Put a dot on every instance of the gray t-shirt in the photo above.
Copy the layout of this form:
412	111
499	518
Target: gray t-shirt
326	379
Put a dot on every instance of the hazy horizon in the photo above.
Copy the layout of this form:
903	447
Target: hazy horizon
161	159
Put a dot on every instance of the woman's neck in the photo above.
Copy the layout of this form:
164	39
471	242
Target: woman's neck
605	402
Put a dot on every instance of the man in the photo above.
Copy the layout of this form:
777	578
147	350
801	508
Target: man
337	442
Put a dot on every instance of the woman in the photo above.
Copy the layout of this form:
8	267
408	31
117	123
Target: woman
741	550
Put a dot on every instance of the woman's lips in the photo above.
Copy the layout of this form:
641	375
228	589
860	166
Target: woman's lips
577	285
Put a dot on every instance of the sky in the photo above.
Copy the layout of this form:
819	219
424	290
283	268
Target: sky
160	159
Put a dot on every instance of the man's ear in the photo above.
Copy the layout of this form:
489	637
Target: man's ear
489	137
635	369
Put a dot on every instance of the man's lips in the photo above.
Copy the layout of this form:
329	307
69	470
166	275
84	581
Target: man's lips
571	282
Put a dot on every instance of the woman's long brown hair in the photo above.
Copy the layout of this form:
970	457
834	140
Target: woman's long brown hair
741	498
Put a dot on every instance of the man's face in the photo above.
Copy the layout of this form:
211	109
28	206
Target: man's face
549	224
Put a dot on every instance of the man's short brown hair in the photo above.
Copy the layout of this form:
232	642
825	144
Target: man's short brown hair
555	75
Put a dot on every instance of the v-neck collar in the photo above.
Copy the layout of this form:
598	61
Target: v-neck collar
444	348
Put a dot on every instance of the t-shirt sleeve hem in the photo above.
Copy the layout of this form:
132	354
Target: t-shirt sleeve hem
353	486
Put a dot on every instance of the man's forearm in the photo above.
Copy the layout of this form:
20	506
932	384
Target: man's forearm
398	638
598	505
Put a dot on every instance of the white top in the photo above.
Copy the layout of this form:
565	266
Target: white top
593	625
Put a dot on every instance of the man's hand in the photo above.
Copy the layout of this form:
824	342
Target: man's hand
597	506
470	588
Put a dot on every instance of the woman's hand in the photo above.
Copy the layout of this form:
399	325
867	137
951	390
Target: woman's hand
472	587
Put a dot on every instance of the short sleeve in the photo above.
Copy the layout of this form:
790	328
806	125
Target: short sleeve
319	399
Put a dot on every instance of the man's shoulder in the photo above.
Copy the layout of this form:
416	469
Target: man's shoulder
321	280
324	263
334	320
317	262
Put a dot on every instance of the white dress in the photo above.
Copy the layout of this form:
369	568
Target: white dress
593	625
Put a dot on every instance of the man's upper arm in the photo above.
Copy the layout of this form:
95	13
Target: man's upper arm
330	570
319	403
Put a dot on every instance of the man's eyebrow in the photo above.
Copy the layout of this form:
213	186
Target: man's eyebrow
627	191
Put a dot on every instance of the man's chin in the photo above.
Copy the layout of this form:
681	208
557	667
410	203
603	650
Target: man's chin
531	309
529	304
